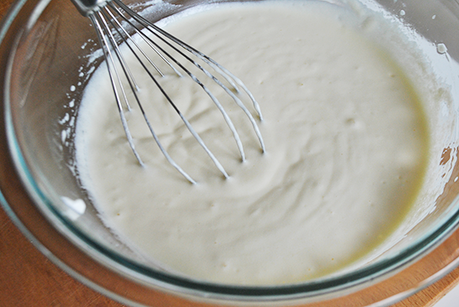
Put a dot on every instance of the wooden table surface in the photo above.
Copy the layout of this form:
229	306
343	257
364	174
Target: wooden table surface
28	278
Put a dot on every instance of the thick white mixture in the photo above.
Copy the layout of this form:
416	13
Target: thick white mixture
345	136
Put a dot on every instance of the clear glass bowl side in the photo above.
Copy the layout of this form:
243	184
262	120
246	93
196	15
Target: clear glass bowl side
49	63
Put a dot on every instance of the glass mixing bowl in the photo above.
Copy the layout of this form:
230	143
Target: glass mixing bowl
47	56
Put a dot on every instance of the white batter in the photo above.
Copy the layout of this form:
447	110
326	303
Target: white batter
346	151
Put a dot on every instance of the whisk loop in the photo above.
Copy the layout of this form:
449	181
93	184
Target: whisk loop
107	18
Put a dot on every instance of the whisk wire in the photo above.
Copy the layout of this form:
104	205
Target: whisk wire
197	81
109	59
183	118
111	67
102	18
108	25
231	78
129	39
227	75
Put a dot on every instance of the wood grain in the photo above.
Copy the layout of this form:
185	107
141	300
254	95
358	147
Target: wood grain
4	5
28	278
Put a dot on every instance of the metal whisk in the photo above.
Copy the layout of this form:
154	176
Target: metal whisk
107	17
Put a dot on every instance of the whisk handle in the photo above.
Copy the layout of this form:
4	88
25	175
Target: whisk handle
86	7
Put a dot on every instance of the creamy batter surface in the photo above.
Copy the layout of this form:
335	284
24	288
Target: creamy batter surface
346	151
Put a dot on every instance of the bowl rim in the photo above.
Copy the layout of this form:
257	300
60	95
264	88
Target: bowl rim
54	224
